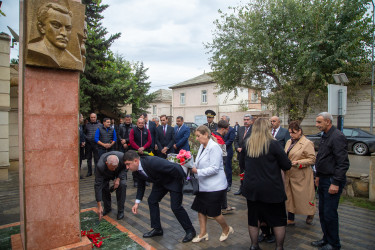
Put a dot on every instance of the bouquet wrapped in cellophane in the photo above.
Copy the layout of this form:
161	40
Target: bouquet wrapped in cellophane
184	158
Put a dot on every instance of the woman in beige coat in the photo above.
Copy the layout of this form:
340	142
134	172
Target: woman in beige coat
299	180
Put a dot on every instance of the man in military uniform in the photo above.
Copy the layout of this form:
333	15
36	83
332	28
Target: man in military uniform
210	120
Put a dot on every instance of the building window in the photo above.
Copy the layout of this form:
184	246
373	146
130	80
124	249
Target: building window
204	96
154	109
182	98
254	98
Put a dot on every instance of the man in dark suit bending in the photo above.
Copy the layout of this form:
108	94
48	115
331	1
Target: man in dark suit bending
167	177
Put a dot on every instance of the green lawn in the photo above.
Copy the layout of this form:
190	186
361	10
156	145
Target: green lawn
89	220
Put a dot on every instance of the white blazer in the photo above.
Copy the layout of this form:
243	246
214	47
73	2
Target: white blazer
210	168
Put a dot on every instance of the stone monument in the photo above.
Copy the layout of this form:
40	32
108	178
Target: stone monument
51	59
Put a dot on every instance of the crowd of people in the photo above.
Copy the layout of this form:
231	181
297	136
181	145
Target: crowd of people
281	172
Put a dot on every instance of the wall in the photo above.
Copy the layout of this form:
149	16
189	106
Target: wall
4	105
162	108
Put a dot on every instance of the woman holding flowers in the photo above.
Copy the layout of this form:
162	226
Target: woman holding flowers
263	184
212	184
299	181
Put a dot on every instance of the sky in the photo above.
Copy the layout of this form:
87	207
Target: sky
168	36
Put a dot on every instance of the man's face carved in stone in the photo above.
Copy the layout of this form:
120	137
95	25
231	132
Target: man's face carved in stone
57	28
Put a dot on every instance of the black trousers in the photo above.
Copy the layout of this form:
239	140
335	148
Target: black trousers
157	194
120	195
328	205
91	151
102	150
81	156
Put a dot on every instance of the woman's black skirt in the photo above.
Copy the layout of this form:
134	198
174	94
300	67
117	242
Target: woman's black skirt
209	203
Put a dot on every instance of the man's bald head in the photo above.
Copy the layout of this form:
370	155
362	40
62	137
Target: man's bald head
275	122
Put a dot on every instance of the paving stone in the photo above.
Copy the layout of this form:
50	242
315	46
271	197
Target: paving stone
357	225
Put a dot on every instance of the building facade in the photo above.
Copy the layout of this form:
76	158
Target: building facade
193	97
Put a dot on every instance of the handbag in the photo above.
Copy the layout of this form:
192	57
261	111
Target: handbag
191	185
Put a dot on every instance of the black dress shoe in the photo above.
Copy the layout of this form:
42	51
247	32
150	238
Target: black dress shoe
88	174
318	243
270	238
328	247
153	232
239	192
261	237
255	247
81	177
120	215
105	212
189	236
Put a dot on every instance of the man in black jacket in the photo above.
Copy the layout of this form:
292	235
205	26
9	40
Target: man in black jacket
82	142
91	147
167	177
164	137
151	126
110	167
240	140
123	135
331	164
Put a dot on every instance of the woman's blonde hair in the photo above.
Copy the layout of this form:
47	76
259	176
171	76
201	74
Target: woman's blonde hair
260	138
202	129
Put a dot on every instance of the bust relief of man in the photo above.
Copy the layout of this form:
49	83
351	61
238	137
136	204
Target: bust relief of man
54	23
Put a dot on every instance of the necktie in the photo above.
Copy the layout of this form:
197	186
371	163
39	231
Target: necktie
164	130
246	129
273	132
146	125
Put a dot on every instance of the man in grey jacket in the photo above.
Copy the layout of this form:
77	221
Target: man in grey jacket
110	167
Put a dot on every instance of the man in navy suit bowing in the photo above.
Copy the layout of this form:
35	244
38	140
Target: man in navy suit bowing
281	134
164	137
181	136
167	177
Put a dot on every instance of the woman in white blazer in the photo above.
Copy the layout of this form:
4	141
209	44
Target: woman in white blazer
209	169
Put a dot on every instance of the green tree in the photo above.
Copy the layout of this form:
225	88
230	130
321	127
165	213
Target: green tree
141	103
291	48
109	81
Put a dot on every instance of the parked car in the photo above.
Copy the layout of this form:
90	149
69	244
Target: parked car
359	141
193	126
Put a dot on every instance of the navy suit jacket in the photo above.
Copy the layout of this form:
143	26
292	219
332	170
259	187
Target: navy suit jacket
182	138
229	139
152	127
282	136
166	140
161	172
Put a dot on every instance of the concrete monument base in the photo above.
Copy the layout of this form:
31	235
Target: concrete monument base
85	244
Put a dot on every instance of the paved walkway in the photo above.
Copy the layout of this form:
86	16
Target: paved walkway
357	225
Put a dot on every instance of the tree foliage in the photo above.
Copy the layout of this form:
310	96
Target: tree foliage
291	48
141	103
109	81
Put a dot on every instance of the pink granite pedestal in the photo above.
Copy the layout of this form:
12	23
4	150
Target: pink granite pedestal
49	174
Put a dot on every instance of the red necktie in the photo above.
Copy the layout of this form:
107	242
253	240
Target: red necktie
273	132
245	132
146	125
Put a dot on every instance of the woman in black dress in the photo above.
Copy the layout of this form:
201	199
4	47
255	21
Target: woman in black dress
263	184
